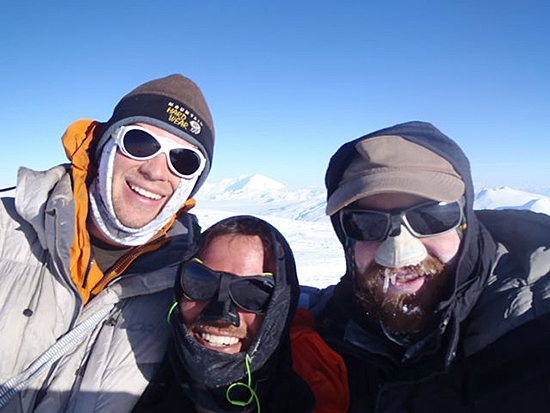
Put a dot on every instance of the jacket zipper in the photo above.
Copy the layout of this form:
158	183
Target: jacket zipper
124	261
88	269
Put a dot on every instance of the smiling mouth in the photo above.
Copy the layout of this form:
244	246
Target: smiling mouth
402	281
145	193
218	341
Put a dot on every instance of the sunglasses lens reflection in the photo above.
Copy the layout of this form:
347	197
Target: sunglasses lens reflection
251	294
198	282
185	161
434	218
140	144
365	225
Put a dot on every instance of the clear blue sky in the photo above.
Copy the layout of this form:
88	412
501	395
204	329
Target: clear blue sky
288	81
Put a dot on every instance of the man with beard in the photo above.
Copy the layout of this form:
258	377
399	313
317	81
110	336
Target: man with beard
441	308
89	252
230	350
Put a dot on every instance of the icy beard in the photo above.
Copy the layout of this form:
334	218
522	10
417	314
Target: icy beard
400	315
103	213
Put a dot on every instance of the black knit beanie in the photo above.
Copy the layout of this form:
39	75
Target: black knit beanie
173	103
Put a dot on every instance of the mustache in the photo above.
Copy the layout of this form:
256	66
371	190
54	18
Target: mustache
399	312
429	268
220	327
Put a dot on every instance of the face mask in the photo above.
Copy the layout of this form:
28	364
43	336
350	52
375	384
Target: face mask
400	250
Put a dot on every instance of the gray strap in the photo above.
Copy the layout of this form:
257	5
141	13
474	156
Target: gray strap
63	345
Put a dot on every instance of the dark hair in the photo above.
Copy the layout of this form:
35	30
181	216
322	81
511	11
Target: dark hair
241	225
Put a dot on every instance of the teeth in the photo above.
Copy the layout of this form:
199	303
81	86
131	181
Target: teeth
386	284
219	341
389	277
408	277
145	193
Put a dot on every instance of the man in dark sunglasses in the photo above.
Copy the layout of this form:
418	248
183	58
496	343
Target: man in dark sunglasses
90	250
230	351
441	307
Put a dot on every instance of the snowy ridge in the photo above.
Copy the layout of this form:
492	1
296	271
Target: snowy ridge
257	194
246	186
508	198
262	195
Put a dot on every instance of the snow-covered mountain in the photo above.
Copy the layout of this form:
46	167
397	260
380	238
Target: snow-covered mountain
258	194
508	198
246	186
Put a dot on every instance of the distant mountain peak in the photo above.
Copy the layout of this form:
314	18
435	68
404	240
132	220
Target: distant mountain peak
256	182
245	186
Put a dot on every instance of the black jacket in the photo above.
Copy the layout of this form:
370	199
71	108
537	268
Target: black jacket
167	394
490	349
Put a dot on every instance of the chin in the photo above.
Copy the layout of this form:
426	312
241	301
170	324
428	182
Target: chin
405	300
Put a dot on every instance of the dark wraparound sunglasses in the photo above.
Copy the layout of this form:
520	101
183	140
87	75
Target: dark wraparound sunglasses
425	220
141	144
250	293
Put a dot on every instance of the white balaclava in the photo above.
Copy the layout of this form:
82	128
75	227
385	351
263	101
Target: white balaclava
103	213
175	104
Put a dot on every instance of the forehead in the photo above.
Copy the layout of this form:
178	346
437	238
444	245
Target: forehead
389	201
165	134
237	254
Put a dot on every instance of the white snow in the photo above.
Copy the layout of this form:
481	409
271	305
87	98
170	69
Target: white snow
243	187
508	198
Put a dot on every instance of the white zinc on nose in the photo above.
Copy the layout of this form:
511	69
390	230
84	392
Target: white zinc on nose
401	250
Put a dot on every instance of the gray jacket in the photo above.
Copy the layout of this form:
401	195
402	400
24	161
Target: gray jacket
107	351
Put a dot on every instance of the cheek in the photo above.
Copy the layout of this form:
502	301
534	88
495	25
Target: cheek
174	181
364	254
122	163
444	247
191	310
252	321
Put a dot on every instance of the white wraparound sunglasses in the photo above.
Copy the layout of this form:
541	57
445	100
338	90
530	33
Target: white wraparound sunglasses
141	144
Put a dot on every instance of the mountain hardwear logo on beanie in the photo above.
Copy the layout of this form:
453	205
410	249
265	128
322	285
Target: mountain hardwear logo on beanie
175	104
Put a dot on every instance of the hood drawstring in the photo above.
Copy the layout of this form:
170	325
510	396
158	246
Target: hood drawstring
170	311
33	302
253	395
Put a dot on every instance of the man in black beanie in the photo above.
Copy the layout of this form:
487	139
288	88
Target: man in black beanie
442	308
89	252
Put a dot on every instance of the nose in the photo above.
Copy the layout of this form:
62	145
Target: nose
221	307
219	311
400	249
156	169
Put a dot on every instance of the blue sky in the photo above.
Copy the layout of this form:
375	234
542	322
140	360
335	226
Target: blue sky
288	82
